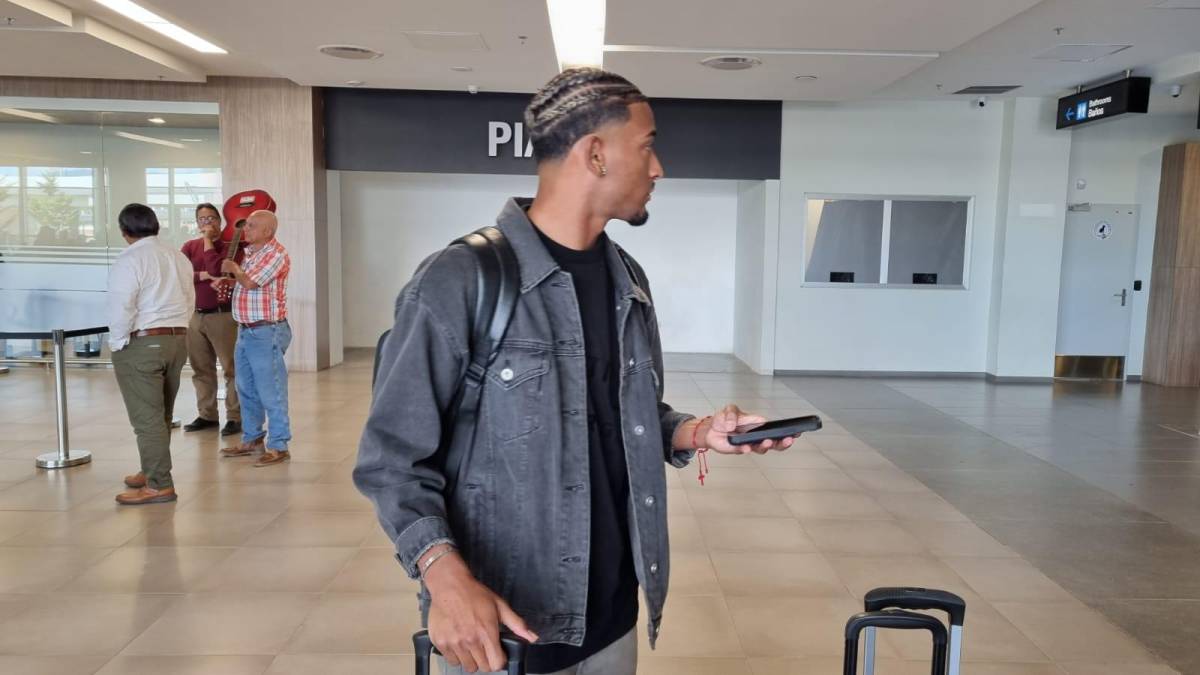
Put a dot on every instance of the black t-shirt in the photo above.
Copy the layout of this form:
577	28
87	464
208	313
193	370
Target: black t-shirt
612	606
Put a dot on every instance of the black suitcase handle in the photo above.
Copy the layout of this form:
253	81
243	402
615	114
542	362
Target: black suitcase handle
514	648
918	598
900	619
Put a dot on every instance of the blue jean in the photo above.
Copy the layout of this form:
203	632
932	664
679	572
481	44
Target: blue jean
262	383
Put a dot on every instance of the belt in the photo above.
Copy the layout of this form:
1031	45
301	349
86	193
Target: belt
159	331
214	310
256	324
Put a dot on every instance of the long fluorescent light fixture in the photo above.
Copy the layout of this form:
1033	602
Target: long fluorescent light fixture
148	139
578	30
157	23
29	114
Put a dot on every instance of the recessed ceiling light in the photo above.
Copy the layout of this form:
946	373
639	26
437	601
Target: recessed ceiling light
1085	53
192	140
29	115
577	27
805	78
462	69
354	83
156	120
353	52
148	139
731	62
158	24
85	152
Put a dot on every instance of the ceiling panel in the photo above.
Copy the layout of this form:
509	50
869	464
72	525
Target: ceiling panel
839	77
64	54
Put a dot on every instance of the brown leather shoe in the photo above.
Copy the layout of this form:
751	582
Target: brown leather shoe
147	495
137	480
273	457
243	449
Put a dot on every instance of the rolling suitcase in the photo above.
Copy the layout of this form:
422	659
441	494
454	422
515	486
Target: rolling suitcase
887	608
514	649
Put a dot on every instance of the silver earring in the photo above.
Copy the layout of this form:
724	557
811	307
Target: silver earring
603	170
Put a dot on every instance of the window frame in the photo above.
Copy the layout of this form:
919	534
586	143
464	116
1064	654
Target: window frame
886	241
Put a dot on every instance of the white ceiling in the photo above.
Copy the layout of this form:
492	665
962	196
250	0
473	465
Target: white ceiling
863	48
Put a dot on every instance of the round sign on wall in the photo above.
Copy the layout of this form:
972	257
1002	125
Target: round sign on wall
1103	229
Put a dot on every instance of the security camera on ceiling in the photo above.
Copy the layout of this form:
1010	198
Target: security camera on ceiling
1175	90
980	102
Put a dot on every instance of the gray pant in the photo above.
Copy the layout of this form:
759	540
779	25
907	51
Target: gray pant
619	658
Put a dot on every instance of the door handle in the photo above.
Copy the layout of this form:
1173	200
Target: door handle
1123	295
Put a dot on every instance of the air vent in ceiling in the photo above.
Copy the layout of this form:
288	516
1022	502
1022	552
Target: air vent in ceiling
988	89
731	62
438	41
350	52
1080	53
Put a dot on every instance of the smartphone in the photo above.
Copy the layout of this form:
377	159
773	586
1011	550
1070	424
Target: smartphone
777	429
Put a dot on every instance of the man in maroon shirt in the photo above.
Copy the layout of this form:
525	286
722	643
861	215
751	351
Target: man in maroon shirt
212	331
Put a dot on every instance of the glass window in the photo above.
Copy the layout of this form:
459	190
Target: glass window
928	241
60	205
10	205
845	240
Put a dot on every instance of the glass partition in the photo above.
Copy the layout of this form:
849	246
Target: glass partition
67	167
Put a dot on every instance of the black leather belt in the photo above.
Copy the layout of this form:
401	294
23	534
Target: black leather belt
215	310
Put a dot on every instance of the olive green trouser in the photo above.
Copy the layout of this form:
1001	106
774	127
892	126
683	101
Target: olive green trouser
148	373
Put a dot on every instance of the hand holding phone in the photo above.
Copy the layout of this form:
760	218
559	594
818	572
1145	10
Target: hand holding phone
776	430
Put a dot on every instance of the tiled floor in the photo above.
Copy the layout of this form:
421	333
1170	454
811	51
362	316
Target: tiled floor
1063	514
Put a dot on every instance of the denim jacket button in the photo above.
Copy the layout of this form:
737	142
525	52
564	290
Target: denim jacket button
630	363
653	568
639	430
506	374
650	500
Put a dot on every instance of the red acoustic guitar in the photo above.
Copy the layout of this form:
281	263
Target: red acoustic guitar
237	209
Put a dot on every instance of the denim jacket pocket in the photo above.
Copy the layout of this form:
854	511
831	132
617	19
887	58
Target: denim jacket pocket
513	395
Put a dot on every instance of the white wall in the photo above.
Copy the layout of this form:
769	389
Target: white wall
1121	161
748	286
892	148
392	221
333	191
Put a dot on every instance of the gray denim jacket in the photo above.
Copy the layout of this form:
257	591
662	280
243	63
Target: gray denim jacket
519	513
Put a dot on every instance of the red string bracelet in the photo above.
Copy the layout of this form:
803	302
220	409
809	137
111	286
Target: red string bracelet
702	461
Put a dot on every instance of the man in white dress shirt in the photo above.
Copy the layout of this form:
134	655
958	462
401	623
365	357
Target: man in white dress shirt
150	301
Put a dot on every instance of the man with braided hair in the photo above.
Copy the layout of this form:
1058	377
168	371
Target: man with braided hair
557	514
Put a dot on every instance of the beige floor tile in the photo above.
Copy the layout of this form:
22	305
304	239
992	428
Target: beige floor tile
16	470
353	623
793	458
708	502
1117	669
822	480
849	460
861	574
225	624
97	529
1007	579
203	529
678	503
960	539
920	507
804	575
329	498
834	505
82	625
887	481
315	529
668	665
378	538
187	665
35	570
340	664
831	666
779	535
865	537
793	627
1072	632
50	665
294	472
12	604
727	478
142	569
274	569
838	442
13	523
685	534
373	570
49	493
693	574
987	638
693	626
241	497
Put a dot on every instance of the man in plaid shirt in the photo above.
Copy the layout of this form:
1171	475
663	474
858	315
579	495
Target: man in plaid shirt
260	309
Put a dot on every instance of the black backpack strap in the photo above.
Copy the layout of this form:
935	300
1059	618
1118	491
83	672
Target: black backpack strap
498	284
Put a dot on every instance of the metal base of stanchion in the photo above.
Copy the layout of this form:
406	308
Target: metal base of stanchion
52	460
4	370
176	423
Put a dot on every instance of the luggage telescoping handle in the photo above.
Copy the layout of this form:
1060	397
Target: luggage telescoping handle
900	619
514	649
917	598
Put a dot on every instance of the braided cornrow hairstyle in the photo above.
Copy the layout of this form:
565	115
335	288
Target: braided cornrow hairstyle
576	103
